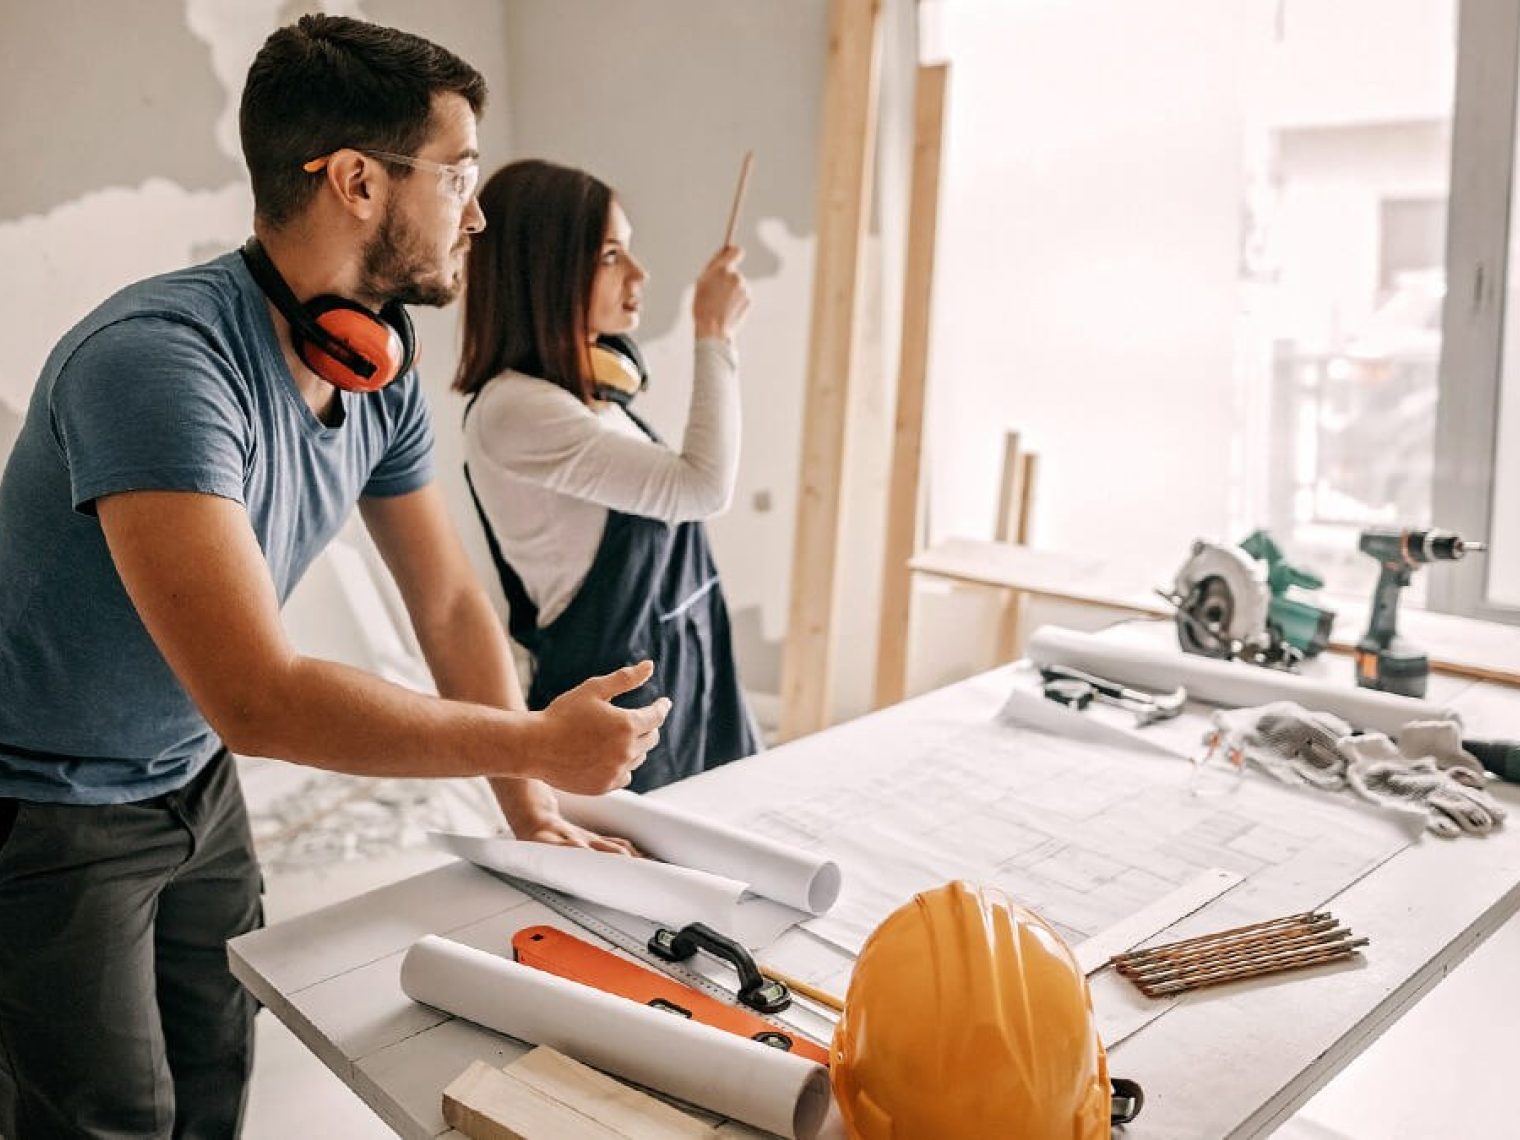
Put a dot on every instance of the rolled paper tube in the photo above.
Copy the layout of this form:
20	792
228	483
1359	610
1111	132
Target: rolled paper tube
790	875
724	1073
1229	683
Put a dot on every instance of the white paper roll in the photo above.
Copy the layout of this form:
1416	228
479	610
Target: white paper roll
661	892
1230	683
719	1071
787	874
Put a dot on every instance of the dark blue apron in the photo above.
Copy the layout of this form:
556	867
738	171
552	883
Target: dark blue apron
652	591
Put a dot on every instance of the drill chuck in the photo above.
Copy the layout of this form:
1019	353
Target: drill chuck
1416	547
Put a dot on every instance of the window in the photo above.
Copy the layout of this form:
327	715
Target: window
1195	253
1477	461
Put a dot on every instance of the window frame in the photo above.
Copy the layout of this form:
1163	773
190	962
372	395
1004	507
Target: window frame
1472	321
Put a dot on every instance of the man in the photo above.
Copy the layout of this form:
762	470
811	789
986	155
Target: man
184	458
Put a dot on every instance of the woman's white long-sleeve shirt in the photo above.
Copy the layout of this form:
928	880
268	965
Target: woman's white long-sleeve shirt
548	468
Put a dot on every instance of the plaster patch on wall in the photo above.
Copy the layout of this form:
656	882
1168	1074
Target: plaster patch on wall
78	254
233	31
94	94
123	205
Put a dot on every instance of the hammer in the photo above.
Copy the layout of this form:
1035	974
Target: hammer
1147	707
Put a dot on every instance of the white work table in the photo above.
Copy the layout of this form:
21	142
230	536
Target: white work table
1230	1061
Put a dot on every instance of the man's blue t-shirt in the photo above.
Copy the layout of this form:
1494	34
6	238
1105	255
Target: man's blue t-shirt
176	383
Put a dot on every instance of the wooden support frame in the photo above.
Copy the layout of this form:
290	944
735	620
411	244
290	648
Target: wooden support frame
893	628
846	159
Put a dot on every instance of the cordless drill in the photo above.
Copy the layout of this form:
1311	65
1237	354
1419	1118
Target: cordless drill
1384	660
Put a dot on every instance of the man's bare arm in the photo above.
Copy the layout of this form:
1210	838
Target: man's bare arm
194	570
463	642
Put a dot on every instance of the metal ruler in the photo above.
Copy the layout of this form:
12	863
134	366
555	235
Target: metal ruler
1093	954
577	912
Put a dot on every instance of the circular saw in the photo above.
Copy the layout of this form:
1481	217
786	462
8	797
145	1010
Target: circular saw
1223	598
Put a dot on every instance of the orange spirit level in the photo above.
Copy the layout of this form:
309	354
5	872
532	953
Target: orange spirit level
555	952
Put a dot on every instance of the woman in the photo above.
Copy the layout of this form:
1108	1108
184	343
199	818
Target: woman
595	525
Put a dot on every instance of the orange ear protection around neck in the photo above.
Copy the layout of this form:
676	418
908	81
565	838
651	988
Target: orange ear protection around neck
338	339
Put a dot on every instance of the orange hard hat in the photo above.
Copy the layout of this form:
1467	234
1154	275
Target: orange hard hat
968	1016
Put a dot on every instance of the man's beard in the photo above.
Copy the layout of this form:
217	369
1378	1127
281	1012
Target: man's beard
398	268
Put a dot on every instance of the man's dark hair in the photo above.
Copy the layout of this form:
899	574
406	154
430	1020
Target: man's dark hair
329	82
528	286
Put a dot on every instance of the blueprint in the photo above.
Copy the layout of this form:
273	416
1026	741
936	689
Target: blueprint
1084	832
1083	823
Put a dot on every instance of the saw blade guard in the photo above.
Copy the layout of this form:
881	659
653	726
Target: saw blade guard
1226	594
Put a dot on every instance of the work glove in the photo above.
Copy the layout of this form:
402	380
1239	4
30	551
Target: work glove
1285	740
1441	740
1451	801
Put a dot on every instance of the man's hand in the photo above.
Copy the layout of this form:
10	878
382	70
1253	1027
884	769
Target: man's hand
561	832
591	746
533	814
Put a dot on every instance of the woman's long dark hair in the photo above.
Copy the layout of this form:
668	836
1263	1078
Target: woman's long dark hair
528	287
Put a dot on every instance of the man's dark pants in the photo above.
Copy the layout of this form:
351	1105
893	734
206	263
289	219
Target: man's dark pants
118	1016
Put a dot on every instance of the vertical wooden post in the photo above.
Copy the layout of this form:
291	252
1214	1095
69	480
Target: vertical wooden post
1019	472
1010	497
846	158
1029	466
912	382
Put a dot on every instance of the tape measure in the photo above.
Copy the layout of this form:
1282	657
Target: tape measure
571	908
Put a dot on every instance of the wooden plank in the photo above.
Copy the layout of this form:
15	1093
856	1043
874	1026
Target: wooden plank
848	145
1019	469
546	1095
487	1104
1099	581
1029	470
1011	626
912	384
1010	495
632	1113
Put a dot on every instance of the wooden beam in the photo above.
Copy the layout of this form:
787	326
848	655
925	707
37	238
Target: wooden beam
1014	510
1010	497
1029	468
846	154
895	623
545	1095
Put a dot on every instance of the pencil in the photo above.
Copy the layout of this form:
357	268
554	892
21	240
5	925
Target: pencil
733	213
796	985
